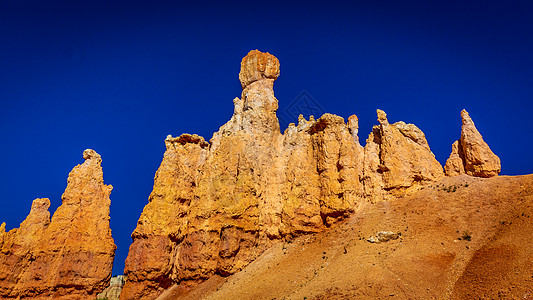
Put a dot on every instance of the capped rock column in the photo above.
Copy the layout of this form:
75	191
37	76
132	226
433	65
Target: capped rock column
212	202
216	206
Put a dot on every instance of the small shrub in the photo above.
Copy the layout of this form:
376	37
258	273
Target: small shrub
466	236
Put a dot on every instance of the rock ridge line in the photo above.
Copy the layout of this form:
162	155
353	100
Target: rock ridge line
218	205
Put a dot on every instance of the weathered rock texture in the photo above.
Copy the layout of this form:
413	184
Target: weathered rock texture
69	257
470	154
397	160
112	292
257	66
216	206
470	243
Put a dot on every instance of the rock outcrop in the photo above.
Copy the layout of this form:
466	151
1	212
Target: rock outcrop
383	236
112	292
68	257
217	205
397	160
474	243
470	154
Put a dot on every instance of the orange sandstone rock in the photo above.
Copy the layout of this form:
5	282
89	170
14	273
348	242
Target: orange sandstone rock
398	160
216	206
455	163
70	256
470	154
258	65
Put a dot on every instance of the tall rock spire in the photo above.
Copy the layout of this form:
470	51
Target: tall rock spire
470	154
70	255
212	202
216	206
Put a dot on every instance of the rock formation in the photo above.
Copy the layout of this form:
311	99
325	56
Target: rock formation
69	257
257	66
470	243
397	160
383	236
470	154
216	206
112	292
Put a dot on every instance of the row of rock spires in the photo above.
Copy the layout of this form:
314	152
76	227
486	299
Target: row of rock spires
216	206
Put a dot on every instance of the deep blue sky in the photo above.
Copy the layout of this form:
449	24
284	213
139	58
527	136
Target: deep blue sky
118	77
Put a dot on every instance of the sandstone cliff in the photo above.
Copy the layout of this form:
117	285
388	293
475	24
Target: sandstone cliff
68	257
217	205
470	154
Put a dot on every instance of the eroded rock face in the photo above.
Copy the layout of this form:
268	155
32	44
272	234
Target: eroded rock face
470	154
257	66
397	160
455	163
215	207
70	256
112	292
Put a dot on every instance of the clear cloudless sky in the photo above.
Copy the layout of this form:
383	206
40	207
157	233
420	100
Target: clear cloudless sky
119	76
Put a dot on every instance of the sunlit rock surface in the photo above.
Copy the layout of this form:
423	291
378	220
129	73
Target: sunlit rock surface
218	205
470	154
69	256
397	160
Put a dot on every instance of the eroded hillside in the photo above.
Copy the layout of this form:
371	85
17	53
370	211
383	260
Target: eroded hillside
461	238
216	206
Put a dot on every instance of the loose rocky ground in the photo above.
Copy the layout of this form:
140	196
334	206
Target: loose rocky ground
461	238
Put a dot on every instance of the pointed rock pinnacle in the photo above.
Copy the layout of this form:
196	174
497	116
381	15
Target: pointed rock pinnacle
470	154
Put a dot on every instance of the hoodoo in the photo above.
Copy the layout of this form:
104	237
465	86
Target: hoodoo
70	256
218	205
470	154
397	160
